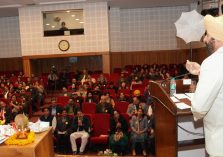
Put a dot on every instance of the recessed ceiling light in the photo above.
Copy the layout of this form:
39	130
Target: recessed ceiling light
77	19
73	15
68	11
47	24
53	26
81	22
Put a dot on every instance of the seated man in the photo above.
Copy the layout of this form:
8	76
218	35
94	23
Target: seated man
135	105
103	106
62	132
46	117
55	109
80	128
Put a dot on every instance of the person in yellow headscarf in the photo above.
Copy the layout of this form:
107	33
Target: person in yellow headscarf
207	102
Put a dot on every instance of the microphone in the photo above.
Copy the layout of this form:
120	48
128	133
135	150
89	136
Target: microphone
165	83
178	76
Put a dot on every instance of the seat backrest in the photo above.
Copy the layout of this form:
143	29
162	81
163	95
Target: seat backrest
137	86
63	100
124	91
121	106
89	107
101	124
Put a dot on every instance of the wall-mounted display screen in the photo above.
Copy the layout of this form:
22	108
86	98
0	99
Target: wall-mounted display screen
63	22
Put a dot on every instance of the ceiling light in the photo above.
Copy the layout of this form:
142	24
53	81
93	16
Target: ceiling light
73	15
81	22
11	6
77	19
47	24
62	2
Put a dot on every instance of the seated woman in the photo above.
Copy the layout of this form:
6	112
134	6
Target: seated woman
102	80
139	131
118	139
123	97
16	106
90	97
109	99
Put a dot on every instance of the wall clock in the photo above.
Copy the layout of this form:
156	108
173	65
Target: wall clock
64	45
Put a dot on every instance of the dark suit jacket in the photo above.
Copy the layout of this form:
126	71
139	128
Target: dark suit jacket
47	119
85	126
104	108
63	124
113	123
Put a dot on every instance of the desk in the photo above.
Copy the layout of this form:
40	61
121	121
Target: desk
41	147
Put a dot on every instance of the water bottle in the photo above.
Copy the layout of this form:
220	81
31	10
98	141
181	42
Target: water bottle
172	87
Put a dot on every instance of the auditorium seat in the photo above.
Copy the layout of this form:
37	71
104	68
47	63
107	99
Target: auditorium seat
124	91
89	107
100	129
62	100
121	106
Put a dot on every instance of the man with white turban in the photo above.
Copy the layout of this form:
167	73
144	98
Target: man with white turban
207	102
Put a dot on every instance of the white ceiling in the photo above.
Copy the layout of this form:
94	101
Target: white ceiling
10	7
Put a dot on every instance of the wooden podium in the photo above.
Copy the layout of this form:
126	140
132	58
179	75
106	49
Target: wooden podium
41	147
167	117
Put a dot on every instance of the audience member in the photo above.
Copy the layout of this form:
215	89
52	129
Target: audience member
139	131
46	117
135	105
103	106
62	132
81	129
72	107
118	139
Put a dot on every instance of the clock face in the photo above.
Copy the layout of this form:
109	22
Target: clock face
64	45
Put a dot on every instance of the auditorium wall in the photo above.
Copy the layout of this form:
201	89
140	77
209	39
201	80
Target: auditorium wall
128	36
10	37
95	38
121	59
146	29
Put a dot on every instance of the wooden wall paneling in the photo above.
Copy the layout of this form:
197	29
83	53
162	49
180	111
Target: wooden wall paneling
120	59
11	64
27	67
44	65
106	63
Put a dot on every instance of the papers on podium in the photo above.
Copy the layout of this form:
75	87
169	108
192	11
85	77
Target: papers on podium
182	106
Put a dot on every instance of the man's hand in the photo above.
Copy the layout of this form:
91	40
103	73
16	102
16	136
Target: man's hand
193	67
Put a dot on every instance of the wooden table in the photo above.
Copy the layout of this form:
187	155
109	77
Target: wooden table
41	147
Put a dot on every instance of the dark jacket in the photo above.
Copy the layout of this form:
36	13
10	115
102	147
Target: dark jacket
104	108
85	126
113	123
47	119
63	124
